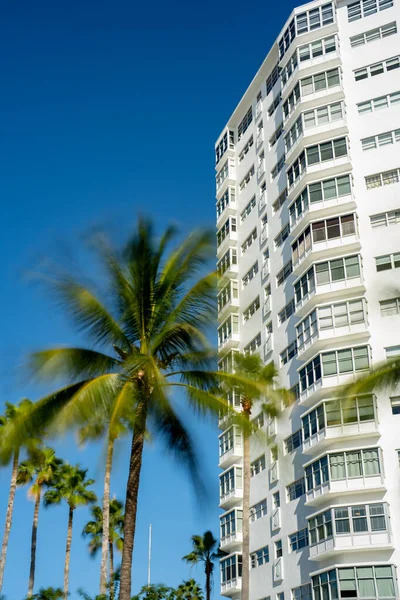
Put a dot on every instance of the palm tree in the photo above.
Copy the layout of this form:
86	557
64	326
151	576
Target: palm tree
94	530
11	412
48	594
189	590
39	469
72	486
205	550
149	326
96	429
155	591
250	368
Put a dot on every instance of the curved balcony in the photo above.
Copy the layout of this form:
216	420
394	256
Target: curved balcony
231	542
325	438
230	446
231	575
228	299
370	542
322	339
232	587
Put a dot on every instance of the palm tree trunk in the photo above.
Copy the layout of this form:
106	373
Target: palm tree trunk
246	515
33	544
9	514
106	517
68	552
111	554
208	569
132	490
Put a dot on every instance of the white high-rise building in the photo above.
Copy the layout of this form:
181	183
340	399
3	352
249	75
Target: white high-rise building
308	222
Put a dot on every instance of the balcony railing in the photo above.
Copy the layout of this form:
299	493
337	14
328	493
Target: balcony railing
310	248
229	341
233	586
262	201
332	287
326	336
264	233
342	487
232	541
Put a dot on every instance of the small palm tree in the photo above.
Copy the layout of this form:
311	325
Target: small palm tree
204	550
155	591
72	486
49	593
94	530
189	590
40	469
12	412
250	368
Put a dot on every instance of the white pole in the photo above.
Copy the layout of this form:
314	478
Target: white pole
149	562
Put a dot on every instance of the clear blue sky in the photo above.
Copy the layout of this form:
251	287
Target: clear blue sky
110	108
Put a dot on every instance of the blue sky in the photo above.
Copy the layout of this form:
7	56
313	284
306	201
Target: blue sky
107	109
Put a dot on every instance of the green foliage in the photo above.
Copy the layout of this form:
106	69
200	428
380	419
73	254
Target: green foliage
157	591
41	469
204	549
94	528
189	590
49	593
70	484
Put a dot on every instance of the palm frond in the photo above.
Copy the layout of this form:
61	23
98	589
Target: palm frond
70	363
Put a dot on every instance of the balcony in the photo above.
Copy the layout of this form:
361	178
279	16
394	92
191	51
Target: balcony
264	233
342	487
259	138
228	300
231	542
325	386
312	249
350	543
324	438
233	399
268	346
267	307
322	292
265	271
231	447
229	239
232	587
261	169
263	200
225	177
228	342
321	339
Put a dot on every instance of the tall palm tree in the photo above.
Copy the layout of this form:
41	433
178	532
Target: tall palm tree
148	322
48	594
94	530
40	469
11	412
204	550
189	590
95	429
70	485
250	368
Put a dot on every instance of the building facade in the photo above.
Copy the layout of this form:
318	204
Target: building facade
308	234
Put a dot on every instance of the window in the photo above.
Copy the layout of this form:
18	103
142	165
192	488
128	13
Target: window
294	133
228	328
258	421
282	236
296	489
342	314
321	191
392	352
339	269
373	34
251	273
246	148
298	540
294	441
254	344
229	258
272	78
280	596
222	147
278	549
322	231
387	261
227	198
258	510
380	179
320	81
288	353
276	135
231	568
323	115
315	155
276	500
249	240
228	227
257	465
379	103
286	312
287	39
245	123
377	69
356	463
338	412
315	18
246	179
303	592
280	201
229	292
259	557
230	480
317	473
226	364
304	286
290	104
278	167
222	174
367	582
365	8
229	439
317	48
382	139
320	527
307	329
251	309
345	361
395	404
289	69
390	307
274	105
231	523
248	208
360	519
284	273
385	219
